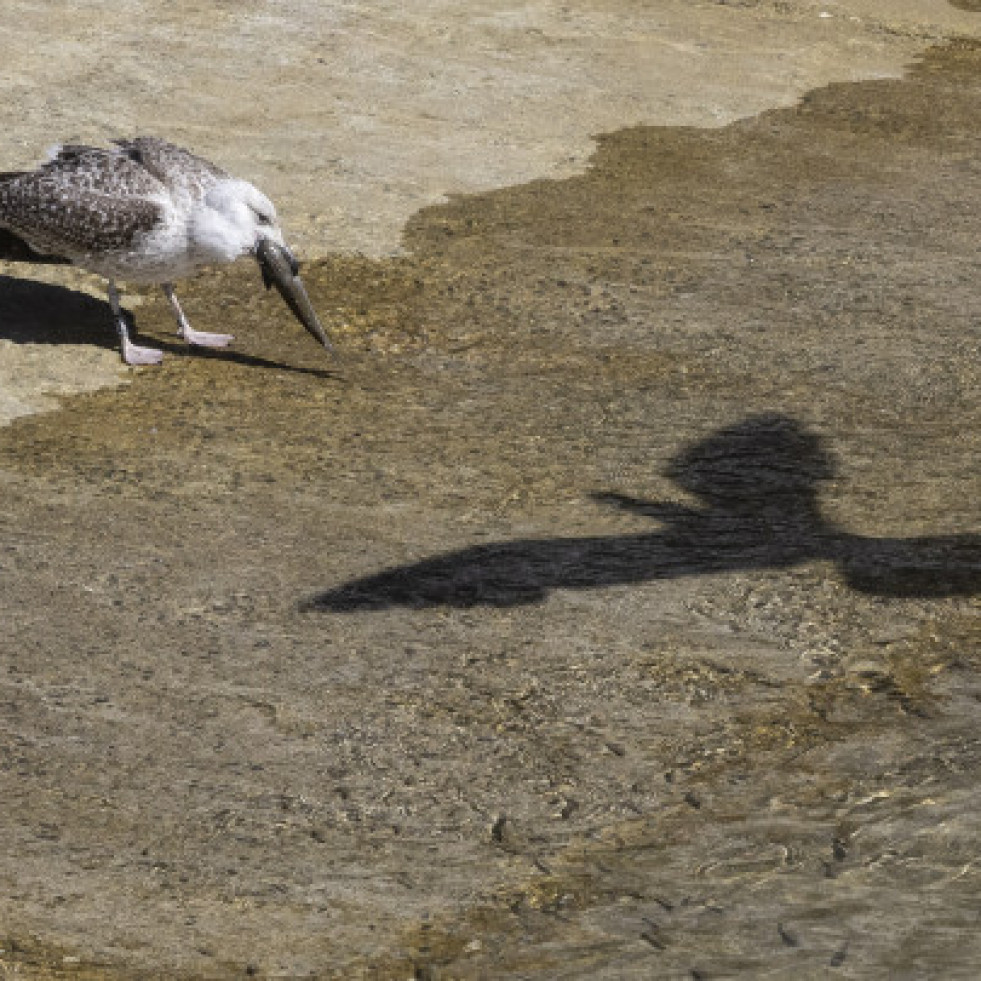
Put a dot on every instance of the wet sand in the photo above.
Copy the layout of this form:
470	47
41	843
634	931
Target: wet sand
354	116
608	609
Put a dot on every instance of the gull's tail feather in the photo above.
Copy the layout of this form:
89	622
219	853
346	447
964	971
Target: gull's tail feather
14	249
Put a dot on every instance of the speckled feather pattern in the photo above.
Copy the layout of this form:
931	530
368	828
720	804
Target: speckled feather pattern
180	171
89	201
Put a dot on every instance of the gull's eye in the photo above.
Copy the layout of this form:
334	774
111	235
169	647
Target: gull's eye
261	217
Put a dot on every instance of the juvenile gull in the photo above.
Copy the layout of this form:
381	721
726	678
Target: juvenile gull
146	211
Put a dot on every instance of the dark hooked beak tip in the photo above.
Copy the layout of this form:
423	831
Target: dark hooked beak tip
280	269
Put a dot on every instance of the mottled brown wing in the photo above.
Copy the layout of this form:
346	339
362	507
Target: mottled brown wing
178	169
86	200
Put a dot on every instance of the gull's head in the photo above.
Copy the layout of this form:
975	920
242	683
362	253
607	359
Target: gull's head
231	219
235	218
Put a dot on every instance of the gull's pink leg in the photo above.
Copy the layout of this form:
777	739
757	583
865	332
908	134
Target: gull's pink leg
132	353
186	331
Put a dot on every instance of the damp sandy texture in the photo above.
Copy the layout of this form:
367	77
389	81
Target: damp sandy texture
354	115
608	609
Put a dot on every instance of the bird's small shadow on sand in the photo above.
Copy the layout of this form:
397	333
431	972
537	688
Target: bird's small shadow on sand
44	313
757	487
232	356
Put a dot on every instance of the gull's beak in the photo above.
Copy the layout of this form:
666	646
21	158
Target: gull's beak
280	269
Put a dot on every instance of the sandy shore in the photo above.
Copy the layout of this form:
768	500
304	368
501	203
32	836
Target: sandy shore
353	116
609	609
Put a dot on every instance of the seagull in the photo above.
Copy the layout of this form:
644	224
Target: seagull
146	211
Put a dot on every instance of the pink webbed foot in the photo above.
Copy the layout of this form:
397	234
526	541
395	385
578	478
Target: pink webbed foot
202	338
135	355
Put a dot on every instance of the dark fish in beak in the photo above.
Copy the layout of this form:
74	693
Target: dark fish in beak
280	269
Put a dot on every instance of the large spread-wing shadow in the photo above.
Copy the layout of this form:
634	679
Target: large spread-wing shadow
757	485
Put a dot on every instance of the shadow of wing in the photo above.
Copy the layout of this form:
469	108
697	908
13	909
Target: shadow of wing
525	571
933	567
